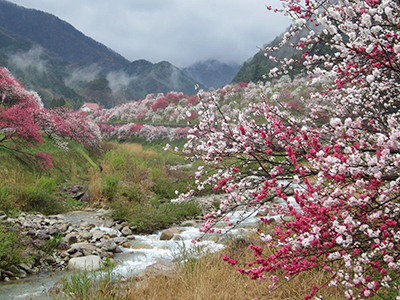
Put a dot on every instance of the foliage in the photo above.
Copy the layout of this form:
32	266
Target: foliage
111	186
53	243
7	201
84	285
168	182
153	215
11	248
344	174
41	197
23	121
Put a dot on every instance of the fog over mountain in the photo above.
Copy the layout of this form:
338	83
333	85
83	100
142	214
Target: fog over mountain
55	59
212	73
179	31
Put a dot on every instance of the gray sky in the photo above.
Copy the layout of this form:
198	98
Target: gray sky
179	31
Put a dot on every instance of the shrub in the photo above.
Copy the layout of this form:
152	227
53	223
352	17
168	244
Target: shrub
41	197
121	209
133	193
111	186
167	182
11	248
7	200
153	215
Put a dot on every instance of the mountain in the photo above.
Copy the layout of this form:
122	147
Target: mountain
36	68
57	36
212	73
50	56
257	66
161	77
136	80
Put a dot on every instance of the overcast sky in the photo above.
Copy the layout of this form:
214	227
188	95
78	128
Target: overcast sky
179	31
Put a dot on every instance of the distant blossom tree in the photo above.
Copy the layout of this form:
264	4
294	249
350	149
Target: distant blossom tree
24	120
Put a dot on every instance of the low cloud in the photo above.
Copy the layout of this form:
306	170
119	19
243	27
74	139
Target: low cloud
85	74
118	81
30	60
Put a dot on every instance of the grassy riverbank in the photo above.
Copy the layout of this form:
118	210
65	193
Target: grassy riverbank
136	182
116	175
208	277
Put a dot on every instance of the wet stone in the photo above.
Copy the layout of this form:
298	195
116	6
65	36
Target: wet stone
166	235
126	231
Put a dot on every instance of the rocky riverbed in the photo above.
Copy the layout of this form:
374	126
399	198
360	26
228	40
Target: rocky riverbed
90	239
76	240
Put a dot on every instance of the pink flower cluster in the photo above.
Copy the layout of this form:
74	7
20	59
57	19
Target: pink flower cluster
177	108
23	121
143	131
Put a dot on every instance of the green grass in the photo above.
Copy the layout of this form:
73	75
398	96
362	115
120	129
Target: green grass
153	215
84	285
25	185
11	248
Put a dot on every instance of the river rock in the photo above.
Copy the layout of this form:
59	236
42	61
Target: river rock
86	235
96	234
117	227
77	254
71	238
175	230
288	218
84	247
142	246
190	223
14	271
126	231
127	245
88	263
62	227
86	197
262	213
108	245
121	239
166	235
26	267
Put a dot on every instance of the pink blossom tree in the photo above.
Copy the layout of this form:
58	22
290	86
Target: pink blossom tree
338	182
23	121
17	110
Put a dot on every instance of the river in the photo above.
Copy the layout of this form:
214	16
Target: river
146	250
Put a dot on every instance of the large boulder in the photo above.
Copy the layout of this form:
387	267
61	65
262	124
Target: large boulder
88	263
166	235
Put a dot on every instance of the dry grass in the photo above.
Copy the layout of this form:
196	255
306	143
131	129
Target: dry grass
211	278
95	184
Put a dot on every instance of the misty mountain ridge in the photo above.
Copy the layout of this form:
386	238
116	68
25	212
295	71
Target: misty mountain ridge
50	56
258	65
212	73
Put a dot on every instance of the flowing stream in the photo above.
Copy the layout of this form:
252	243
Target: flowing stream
147	250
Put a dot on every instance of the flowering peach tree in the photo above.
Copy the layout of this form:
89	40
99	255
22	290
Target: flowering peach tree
335	184
24	120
